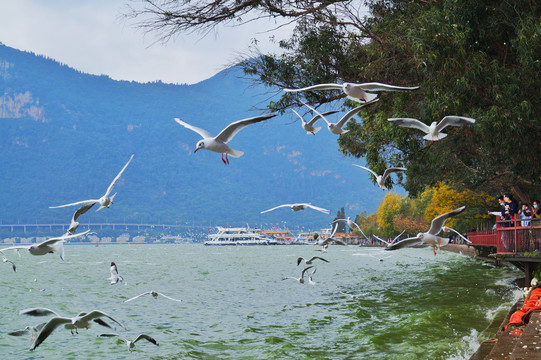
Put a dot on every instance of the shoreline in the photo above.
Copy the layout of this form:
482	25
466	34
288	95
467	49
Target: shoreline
498	339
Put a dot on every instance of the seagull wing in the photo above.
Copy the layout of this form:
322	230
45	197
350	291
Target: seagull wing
277	207
38	312
317	257
204	133
115	180
391	170
49	327
304	270
325	211
367	169
81	211
138	296
84	202
317	87
146	337
168	297
321	116
403	243
59	238
232	129
398	236
452	120
354	112
438	222
410	123
447	228
97	314
376	86
300	117
380	239
19	332
14	248
12	264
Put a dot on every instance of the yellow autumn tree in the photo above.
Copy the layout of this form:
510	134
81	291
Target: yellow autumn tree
390	207
445	198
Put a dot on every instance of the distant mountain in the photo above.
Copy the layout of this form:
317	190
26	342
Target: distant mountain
64	135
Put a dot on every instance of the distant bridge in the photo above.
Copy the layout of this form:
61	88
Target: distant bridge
101	226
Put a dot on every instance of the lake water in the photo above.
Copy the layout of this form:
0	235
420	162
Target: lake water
235	305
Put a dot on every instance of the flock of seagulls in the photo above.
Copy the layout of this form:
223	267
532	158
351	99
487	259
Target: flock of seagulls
366	94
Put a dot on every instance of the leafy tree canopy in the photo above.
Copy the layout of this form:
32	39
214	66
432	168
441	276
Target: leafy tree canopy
480	59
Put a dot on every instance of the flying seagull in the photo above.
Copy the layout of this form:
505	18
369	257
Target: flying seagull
131	343
362	93
114	274
311	277
39	311
433	132
309	261
32	330
351	225
81	321
154	295
300	279
309	126
219	143
324	243
105	201
299	206
74	223
431	236
380	179
48	246
337	128
11	262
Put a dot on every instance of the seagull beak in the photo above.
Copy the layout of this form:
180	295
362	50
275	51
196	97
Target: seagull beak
195	150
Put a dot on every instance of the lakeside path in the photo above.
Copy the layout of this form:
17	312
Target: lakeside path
504	345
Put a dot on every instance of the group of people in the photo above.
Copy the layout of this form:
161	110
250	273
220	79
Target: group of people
510	210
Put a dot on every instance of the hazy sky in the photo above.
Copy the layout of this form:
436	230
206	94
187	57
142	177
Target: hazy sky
91	36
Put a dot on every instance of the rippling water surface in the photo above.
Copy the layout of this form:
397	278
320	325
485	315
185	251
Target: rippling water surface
235	305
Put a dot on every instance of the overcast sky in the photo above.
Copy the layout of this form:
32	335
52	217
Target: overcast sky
91	36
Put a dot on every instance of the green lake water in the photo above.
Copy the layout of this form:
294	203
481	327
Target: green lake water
235	305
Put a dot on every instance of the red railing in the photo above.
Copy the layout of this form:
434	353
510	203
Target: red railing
510	236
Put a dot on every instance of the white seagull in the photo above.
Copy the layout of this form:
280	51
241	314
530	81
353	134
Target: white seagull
380	179
309	126
74	223
300	279
114	274
48	246
351	225
154	295
362	93
337	128
81	321
39	311
431	236
32	330
105	201
11	262
131	343
433	132
309	261
299	206
311	277
219	143
324	243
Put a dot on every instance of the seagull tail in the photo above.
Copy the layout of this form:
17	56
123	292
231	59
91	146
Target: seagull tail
316	129
235	153
434	138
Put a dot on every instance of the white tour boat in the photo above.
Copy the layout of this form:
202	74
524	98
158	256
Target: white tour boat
239	236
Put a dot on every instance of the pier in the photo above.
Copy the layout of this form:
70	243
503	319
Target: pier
512	242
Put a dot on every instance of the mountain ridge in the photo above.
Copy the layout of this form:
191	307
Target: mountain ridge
65	135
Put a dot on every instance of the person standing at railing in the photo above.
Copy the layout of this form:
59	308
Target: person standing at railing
510	209
536	213
525	215
500	213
